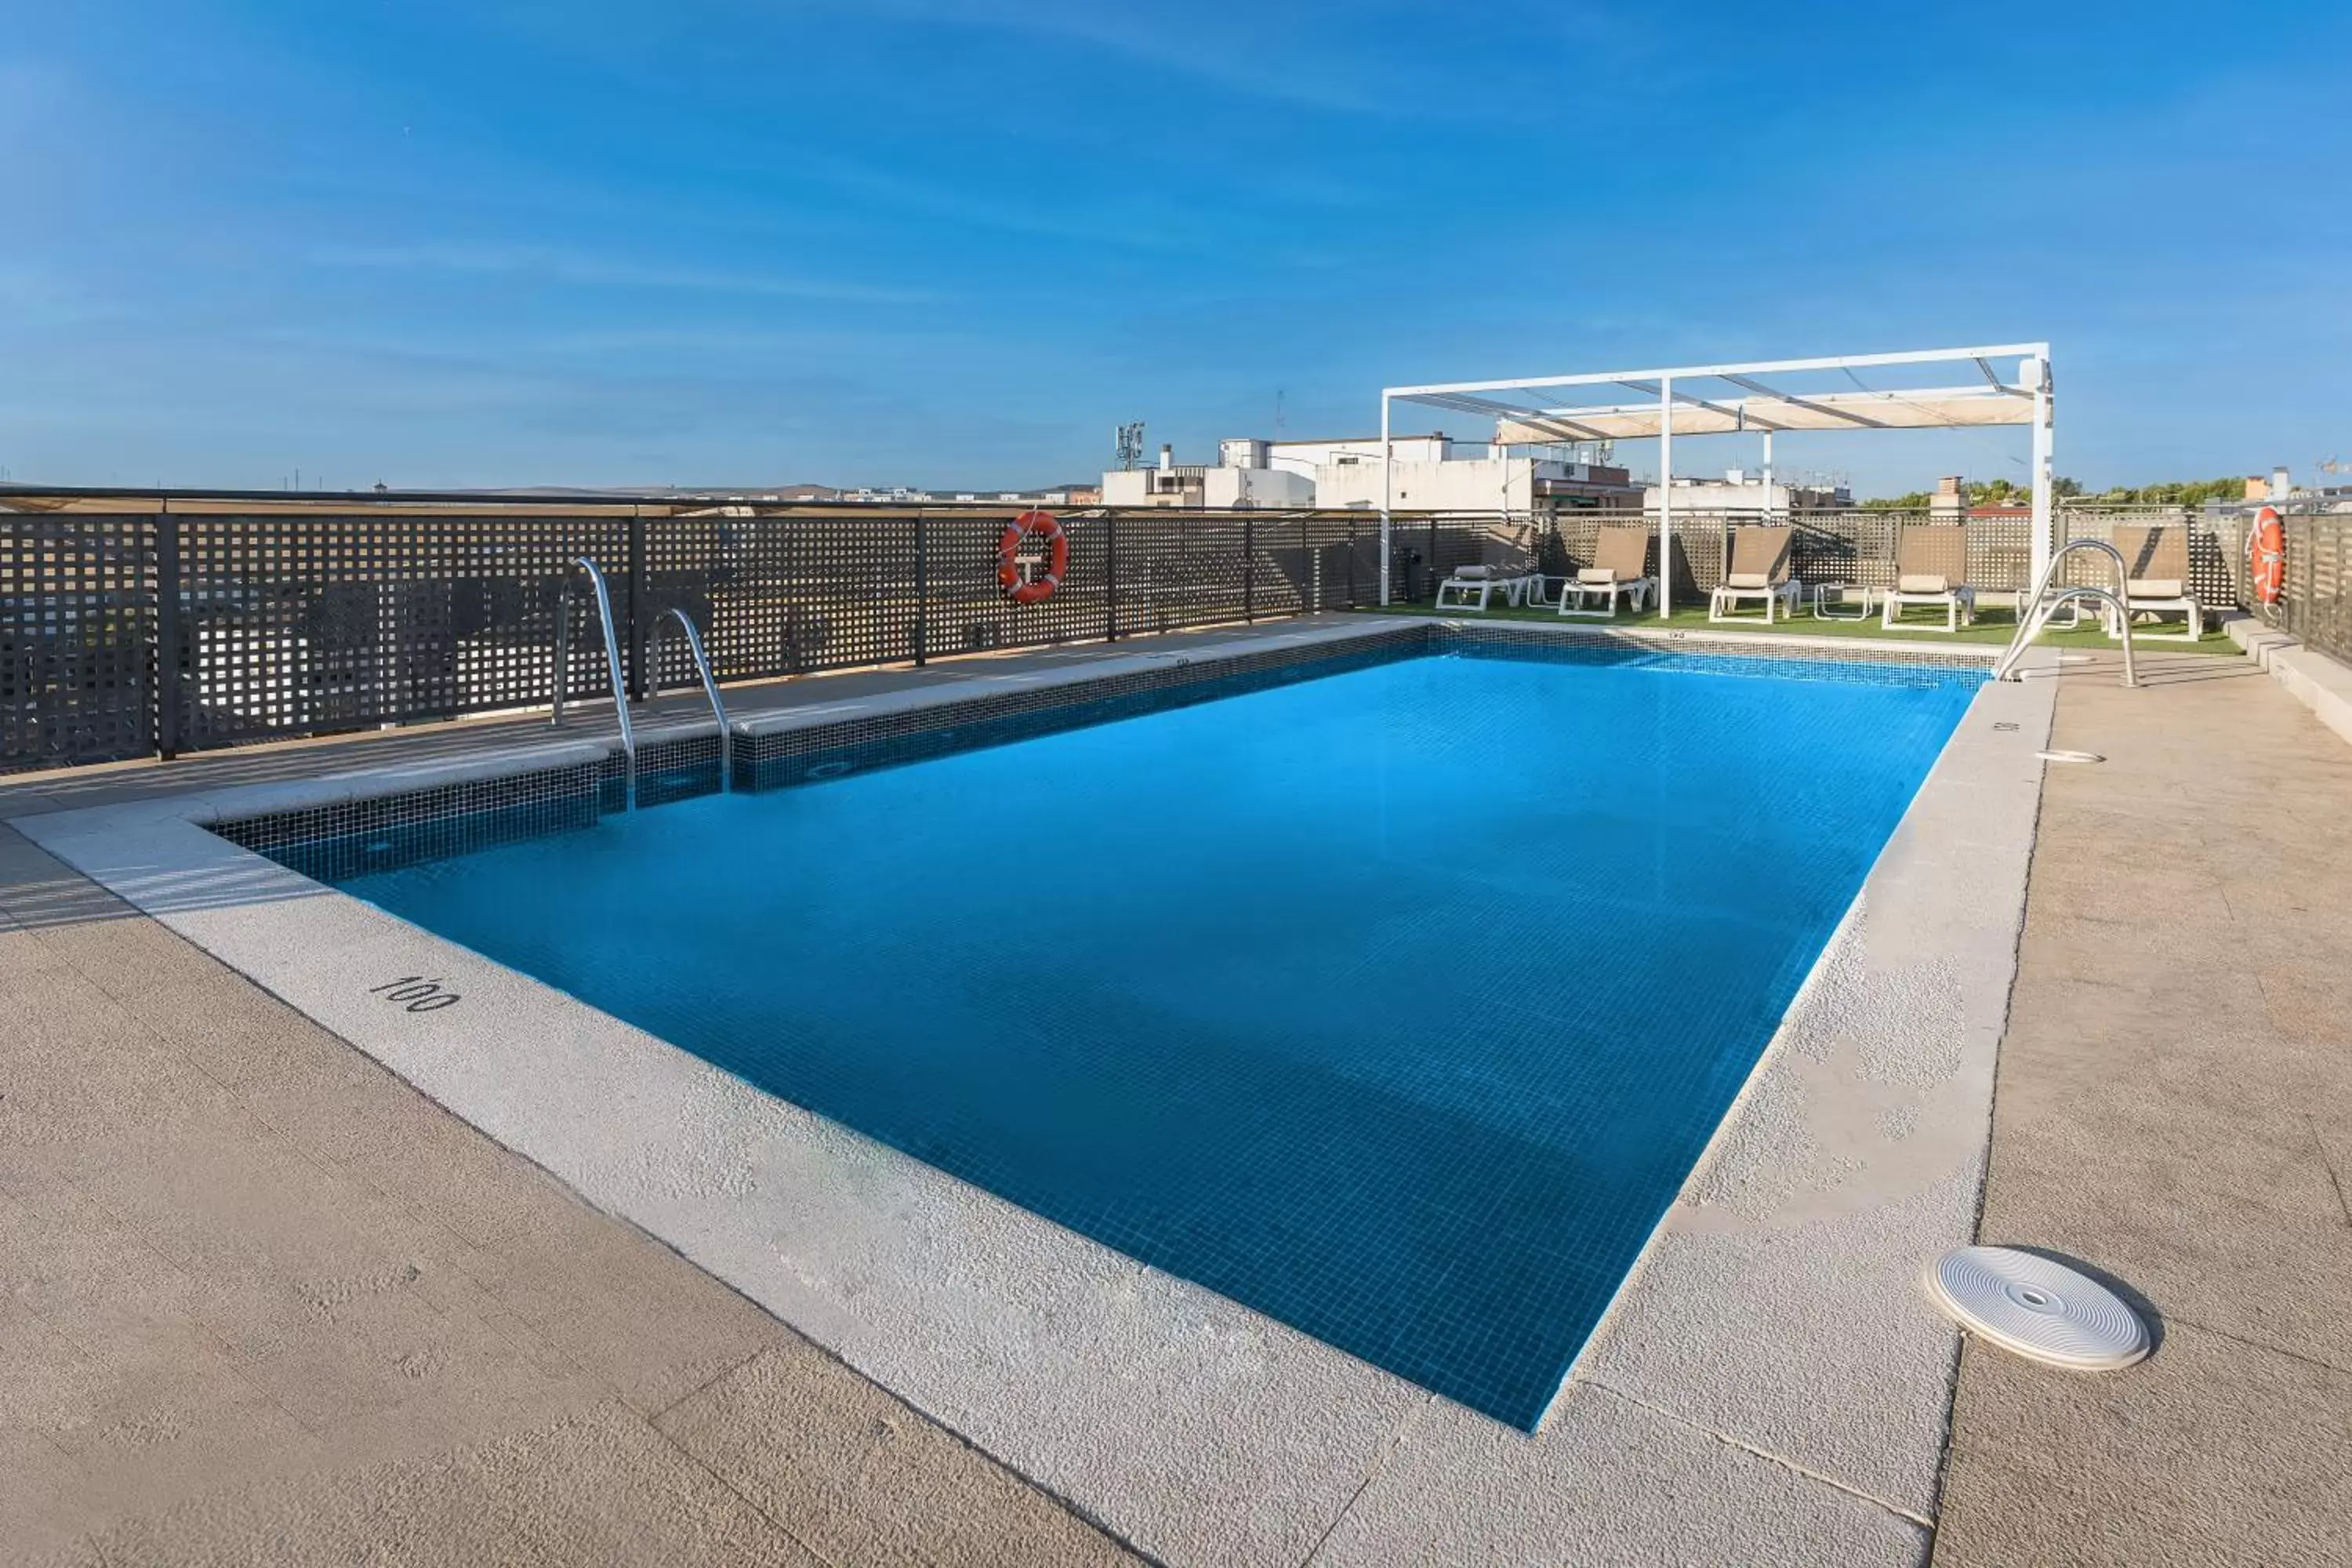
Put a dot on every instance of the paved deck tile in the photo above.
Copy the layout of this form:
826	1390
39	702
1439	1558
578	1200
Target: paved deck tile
261	1301
2170	1110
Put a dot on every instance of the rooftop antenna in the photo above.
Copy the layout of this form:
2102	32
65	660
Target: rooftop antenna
1129	440
1277	414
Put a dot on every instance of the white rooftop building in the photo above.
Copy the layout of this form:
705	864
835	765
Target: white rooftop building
1432	473
1740	494
1241	482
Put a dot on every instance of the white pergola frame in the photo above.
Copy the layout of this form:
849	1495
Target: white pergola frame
1757	409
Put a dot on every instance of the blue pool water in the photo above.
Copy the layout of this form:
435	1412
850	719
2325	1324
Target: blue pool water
1396	1004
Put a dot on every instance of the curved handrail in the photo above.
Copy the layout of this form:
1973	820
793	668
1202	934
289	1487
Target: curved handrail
2035	614
612	662
709	684
2044	608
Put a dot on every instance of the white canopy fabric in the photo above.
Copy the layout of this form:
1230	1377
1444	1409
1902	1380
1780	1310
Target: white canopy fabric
1832	411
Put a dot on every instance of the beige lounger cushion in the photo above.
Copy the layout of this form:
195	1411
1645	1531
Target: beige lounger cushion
2156	588
1478	574
1599	577
1747	579
1923	583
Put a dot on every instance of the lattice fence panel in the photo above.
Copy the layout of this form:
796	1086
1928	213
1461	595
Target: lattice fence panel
805	591
697	565
967	610
2216	562
1282	565
1702	543
1573	536
1355	555
2001	554
2318	606
1855	548
77	640
2216	572
2231	572
1460	541
303	625
1177	570
1329	565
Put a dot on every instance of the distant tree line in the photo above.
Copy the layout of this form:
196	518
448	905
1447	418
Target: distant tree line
2008	492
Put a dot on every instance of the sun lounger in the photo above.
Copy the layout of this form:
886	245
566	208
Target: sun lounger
1759	569
2156	579
1619	568
1484	583
1931	567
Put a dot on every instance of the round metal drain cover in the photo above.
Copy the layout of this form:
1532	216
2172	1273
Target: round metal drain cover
2042	1311
2070	756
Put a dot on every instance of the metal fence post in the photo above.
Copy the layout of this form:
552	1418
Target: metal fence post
922	587
635	614
1249	569
1431	564
2306	581
1110	576
168	694
1310	568
1351	563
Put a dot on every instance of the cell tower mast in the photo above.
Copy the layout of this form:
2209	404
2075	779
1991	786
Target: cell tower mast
1129	440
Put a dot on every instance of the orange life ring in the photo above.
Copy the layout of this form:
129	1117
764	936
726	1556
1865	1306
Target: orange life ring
2266	556
1041	525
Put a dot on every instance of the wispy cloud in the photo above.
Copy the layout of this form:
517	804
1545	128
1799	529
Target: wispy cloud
593	271
1142	226
1338	57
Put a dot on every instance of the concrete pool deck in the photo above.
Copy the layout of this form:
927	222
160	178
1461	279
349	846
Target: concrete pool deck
1669	1445
265	1303
2174	1107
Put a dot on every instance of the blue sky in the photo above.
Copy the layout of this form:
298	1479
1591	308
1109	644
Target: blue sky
442	243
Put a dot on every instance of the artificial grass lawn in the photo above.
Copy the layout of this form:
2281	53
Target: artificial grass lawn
1993	626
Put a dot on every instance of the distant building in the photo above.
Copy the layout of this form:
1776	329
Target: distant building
1437	473
2281	488
1742	494
1244	484
2277	487
1431	473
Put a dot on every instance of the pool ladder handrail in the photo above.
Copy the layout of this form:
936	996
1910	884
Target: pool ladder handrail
611	664
709	684
2036	613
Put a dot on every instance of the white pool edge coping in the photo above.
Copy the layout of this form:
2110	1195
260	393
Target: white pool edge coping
1188	1424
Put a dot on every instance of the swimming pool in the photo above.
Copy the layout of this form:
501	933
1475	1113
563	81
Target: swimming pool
1396	1004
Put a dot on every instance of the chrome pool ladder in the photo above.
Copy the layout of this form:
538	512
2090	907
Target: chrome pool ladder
2035	614
709	684
612	663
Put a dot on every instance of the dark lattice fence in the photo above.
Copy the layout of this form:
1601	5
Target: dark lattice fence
2318	603
78	609
123	635
786	596
292	624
